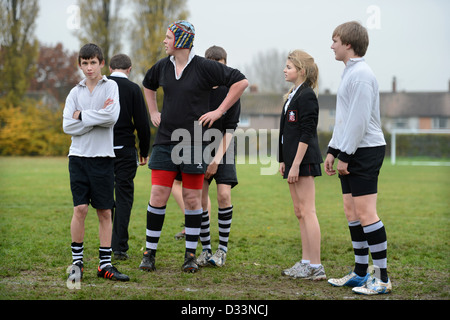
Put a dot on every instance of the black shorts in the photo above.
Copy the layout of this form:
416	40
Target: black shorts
92	181
364	168
226	174
306	170
164	157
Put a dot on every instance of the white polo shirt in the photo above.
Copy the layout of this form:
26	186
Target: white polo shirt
358	121
93	135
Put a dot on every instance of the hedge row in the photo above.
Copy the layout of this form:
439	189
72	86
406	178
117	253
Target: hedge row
407	145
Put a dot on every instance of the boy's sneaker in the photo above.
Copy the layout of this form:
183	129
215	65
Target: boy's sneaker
120	255
218	258
305	271
190	263
374	286
316	274
76	272
297	269
148	262
111	272
180	235
350	280
203	258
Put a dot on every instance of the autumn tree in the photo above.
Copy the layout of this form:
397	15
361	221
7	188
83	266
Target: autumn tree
102	24
31	129
19	47
57	71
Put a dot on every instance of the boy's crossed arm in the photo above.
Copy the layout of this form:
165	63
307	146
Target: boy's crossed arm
76	114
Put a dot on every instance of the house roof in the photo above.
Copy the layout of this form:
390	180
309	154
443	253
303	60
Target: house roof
418	104
261	104
392	104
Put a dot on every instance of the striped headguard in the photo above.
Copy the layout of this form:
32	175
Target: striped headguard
184	33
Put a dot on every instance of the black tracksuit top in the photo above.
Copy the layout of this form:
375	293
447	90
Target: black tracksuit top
133	115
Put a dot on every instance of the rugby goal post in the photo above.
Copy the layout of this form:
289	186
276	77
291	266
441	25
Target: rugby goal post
396	132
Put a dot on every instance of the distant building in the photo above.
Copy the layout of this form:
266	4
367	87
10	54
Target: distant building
260	110
415	110
399	110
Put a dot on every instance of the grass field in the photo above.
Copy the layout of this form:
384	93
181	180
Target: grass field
36	209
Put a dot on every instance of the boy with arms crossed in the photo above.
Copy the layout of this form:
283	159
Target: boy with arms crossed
91	110
358	143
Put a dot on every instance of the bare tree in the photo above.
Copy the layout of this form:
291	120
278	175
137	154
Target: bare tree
266	71
101	24
19	47
151	19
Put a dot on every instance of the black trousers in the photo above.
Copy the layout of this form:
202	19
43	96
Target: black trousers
125	166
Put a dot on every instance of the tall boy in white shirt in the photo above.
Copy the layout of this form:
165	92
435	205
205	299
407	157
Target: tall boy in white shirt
358	143
91	110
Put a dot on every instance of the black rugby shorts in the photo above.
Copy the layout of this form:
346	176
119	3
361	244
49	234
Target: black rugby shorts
364	167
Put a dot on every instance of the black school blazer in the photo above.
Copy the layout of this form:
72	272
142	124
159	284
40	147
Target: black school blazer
299	124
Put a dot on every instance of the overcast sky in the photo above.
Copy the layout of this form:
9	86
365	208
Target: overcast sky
409	39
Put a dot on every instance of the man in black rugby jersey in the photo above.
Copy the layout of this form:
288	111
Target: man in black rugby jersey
187	80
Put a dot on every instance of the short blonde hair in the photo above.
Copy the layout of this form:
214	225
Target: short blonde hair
355	34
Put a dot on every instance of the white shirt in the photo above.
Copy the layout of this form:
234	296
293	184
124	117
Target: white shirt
288	101
172	58
118	74
291	95
92	136
358	121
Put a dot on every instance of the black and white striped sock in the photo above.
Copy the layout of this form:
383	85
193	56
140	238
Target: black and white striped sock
205	235
225	217
192	222
104	255
377	240
360	248
155	221
77	252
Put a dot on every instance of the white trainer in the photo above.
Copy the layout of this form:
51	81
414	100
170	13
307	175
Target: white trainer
374	286
218	258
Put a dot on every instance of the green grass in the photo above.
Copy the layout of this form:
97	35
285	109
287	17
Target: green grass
36	209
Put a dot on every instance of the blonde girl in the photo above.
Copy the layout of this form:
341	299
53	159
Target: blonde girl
300	158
